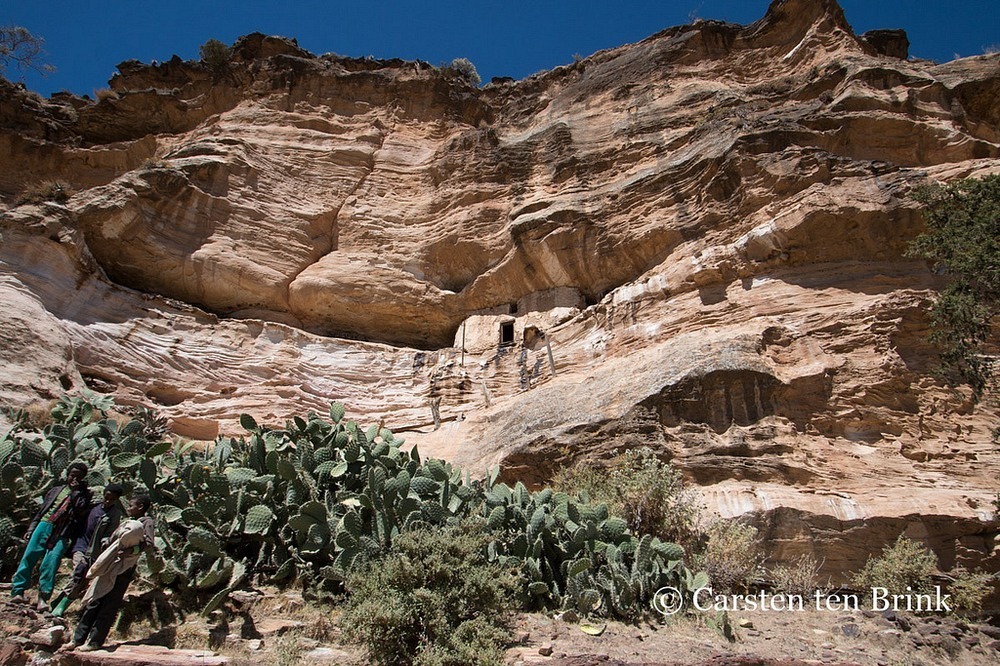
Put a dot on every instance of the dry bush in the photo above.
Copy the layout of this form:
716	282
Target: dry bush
732	557
799	577
105	94
651	496
48	190
33	416
647	492
21	49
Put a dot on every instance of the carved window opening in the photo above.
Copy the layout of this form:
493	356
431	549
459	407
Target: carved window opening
507	333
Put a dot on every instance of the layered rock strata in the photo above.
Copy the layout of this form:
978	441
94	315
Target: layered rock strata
694	243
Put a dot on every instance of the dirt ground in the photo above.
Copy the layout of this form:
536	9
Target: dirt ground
282	628
764	638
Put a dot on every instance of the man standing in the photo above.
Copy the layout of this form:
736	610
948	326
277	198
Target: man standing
102	520
60	520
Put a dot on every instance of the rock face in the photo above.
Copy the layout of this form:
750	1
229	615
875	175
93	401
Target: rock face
694	243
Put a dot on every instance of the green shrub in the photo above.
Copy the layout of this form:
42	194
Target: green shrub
215	55
963	225
732	556
904	564
968	590
647	492
433	600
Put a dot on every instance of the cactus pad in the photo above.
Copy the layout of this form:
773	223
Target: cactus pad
205	541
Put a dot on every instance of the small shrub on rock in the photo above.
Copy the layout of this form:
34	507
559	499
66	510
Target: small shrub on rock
463	69
105	95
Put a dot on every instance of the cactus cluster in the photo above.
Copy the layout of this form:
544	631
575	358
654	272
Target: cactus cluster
575	555
311	501
32	460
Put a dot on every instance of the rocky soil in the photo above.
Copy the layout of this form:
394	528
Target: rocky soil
291	632
694	243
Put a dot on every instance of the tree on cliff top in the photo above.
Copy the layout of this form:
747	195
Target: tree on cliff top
21	49
963	240
463	69
215	55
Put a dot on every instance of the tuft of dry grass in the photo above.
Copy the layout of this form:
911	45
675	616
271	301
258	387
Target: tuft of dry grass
239	655
191	635
287	650
34	416
105	94
800	576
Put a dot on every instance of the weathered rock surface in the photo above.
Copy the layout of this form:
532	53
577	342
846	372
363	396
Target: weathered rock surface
706	230
142	655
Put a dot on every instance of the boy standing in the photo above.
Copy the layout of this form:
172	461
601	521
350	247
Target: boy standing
110	575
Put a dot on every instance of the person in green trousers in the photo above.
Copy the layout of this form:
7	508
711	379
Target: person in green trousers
57	523
102	521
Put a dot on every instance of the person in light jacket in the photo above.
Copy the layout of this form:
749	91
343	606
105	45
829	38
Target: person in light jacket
57	523
110	575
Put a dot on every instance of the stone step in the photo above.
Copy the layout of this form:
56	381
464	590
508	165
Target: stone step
142	655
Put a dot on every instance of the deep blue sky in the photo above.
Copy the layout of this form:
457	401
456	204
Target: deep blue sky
86	39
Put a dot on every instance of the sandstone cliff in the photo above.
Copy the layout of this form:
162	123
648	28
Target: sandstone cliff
694	243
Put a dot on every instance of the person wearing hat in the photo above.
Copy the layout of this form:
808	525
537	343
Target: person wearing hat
102	520
58	522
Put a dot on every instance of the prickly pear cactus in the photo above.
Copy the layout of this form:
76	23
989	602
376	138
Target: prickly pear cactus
310	502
